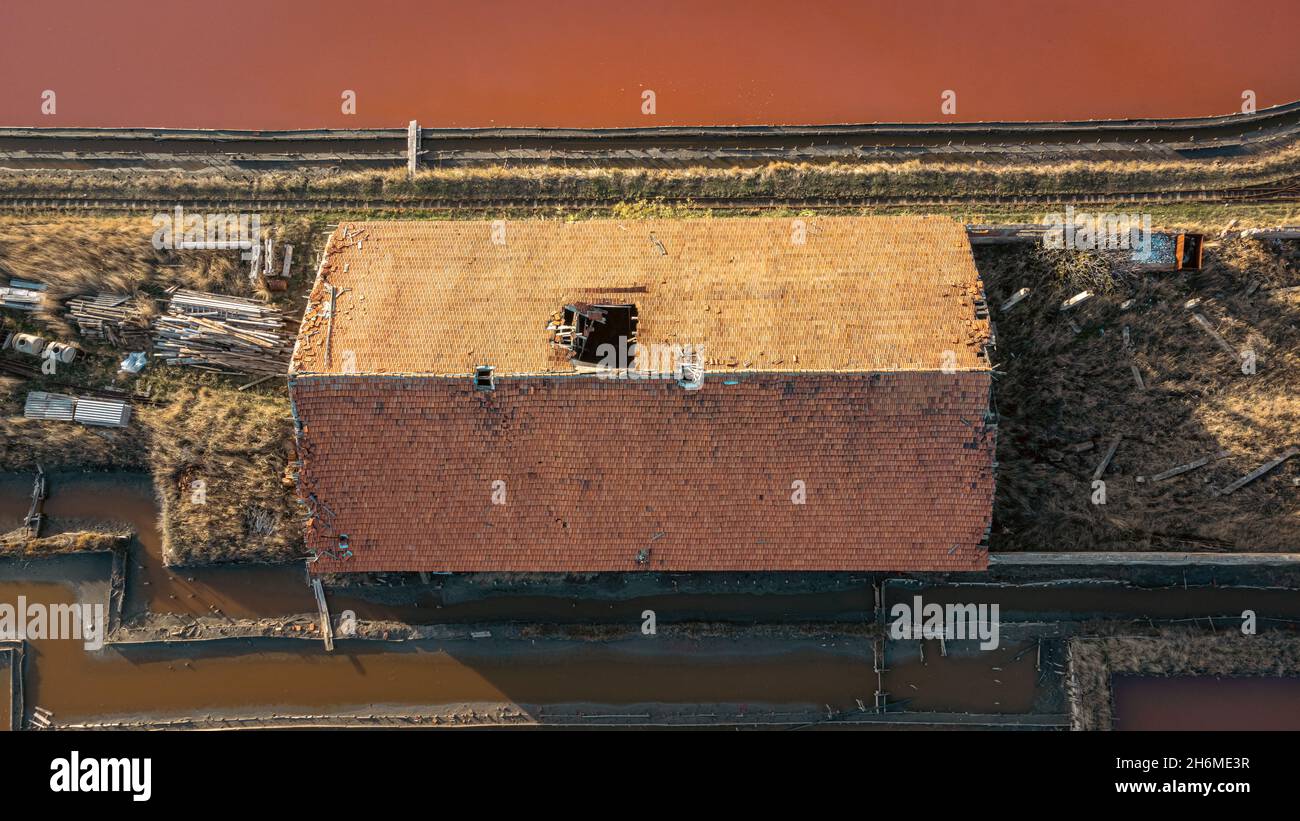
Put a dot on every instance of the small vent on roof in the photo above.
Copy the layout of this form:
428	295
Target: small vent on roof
483	378
690	366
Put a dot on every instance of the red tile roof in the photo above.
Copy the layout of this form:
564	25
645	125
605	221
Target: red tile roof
897	469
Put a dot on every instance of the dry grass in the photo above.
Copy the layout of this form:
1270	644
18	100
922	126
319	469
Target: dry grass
1093	662
1061	388
84	256
17	544
26	443
881	178
238	445
75	256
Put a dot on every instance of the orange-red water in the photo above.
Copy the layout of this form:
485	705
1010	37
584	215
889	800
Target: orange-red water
256	64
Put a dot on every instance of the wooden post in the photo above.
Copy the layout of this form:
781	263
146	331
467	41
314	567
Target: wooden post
412	148
326	628
35	514
17	696
257	260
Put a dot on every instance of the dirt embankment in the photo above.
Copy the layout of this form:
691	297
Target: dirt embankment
219	460
18	544
1065	388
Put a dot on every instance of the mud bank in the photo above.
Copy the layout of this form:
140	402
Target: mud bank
704	716
1094	662
172	628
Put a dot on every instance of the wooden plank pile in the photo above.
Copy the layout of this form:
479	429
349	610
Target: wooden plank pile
111	318
222	333
22	295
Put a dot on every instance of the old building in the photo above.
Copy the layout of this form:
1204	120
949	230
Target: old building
700	394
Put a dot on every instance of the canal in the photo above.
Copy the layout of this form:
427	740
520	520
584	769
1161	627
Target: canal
797	670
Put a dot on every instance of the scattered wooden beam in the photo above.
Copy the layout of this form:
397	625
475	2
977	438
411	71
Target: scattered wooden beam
257	381
1181	469
1015	299
1137	376
1105	462
1259	471
1208	327
1076	299
329	321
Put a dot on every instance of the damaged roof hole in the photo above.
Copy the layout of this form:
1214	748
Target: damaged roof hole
597	335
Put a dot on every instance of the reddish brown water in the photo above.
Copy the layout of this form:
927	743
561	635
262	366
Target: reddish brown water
236	592
1003	680
240	678
253	64
1188	703
1221	606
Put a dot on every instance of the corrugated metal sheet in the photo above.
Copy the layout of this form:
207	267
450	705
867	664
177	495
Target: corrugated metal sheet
55	406
106	412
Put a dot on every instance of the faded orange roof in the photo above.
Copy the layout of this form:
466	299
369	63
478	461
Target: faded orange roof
897	469
859	293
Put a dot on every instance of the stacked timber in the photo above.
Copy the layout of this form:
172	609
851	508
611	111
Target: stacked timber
111	318
22	295
222	333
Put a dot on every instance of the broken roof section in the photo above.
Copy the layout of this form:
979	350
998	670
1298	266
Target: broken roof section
850	294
